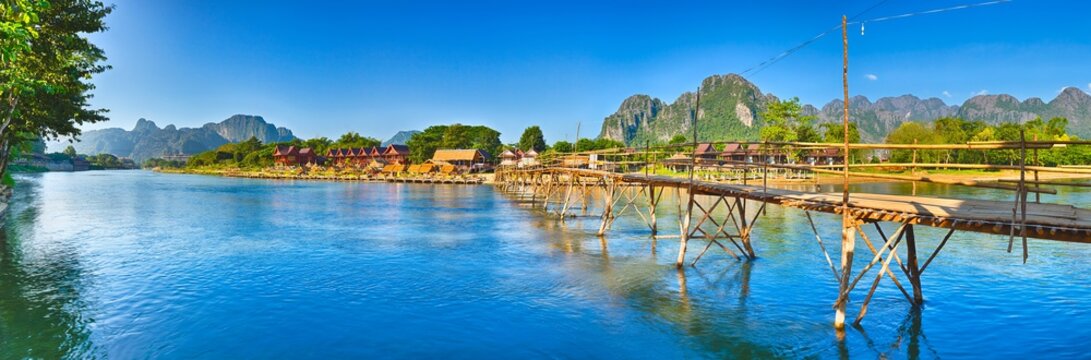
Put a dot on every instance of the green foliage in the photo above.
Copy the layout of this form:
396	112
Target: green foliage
784	122
351	140
532	138
597	144
679	139
70	151
562	146
162	163
914	133
107	161
958	131
47	63
456	136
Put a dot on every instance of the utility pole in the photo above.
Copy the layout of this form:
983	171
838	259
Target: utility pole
575	146
848	231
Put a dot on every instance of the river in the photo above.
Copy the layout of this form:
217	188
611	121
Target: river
136	264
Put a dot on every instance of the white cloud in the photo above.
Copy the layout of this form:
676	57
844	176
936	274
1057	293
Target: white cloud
946	93
982	92
872	77
1089	86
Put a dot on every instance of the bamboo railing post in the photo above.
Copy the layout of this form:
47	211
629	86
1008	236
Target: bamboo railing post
1023	189
1037	196
913	170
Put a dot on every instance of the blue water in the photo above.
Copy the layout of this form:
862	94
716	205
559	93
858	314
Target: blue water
130	264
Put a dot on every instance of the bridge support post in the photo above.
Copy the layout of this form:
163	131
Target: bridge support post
912	264
653	203
848	245
683	224
608	208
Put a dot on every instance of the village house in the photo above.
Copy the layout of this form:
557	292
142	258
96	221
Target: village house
509	158
827	156
706	154
464	160
293	156
734	152
396	154
530	158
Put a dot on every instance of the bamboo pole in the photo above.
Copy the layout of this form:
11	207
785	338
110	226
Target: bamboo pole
912	264
848	237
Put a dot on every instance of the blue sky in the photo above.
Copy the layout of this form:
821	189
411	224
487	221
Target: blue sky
379	67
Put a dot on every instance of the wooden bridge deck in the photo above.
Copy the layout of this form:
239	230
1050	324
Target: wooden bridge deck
1043	221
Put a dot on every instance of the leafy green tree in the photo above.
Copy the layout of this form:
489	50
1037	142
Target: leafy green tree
47	64
456	136
532	139
562	146
907	133
319	144
354	140
70	151
784	120
678	139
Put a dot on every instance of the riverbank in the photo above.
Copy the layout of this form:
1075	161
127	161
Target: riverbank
329	175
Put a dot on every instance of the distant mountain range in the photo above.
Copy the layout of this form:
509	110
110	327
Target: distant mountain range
731	109
401	138
146	140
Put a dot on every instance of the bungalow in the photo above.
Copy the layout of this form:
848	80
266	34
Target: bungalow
734	152
509	158
827	156
285	155
706	154
678	161
463	159
292	156
396	154
530	158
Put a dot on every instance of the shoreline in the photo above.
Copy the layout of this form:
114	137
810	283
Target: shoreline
477	179
488	178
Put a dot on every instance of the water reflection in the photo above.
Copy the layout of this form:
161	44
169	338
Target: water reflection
710	302
42	310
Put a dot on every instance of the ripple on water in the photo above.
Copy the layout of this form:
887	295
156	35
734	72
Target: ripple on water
174	266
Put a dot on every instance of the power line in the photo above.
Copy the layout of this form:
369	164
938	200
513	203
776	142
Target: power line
775	59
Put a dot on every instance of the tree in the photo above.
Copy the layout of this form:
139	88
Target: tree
532	139
47	63
355	140
70	151
784	120
319	144
907	133
562	146
678	139
457	136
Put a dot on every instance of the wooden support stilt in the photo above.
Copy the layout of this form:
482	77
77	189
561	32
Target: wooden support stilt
653	203
684	222
914	269
608	200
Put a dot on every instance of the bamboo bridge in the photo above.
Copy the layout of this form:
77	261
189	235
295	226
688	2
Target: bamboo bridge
742	204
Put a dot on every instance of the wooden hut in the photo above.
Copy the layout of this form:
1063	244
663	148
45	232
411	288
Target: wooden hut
734	152
509	158
678	162
396	154
285	155
826	156
463	159
706	154
530	158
